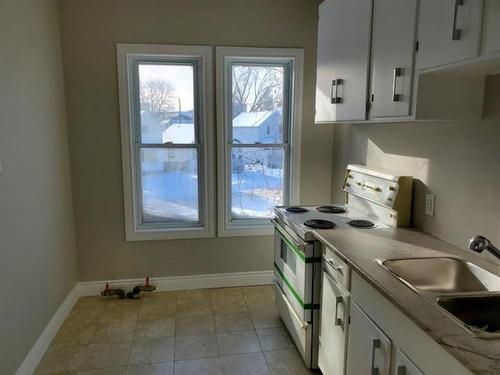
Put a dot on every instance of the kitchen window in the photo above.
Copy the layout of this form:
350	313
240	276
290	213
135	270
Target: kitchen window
259	114
166	118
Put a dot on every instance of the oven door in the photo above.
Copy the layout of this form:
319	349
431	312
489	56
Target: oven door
294	271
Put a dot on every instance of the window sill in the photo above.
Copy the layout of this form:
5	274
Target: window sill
246	230
168	234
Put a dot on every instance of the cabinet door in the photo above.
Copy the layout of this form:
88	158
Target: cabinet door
333	327
404	366
492	26
369	349
448	31
326	70
343	50
393	49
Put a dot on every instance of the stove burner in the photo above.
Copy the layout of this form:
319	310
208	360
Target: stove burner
319	223
331	209
361	223
295	209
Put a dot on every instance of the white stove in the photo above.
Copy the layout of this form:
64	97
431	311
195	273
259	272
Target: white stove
374	200
298	218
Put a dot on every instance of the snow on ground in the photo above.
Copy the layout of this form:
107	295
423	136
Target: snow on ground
173	196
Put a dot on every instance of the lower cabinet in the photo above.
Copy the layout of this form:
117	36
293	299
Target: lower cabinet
403	365
333	327
369	349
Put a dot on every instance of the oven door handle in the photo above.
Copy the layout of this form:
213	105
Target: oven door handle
303	325
287	237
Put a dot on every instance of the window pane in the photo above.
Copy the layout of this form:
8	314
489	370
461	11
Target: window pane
257	103
169	185
256	181
166	94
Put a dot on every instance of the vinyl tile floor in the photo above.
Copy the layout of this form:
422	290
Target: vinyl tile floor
229	331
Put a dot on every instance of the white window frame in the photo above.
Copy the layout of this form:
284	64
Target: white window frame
224	56
127	57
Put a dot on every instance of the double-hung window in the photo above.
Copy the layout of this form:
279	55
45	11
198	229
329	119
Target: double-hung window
166	116
258	115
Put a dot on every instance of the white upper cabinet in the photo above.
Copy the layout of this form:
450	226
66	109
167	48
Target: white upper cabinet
343	60
448	31
491	26
393	52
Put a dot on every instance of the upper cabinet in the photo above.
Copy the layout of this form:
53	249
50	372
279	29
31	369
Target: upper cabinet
491	27
343	60
396	60
448	31
393	52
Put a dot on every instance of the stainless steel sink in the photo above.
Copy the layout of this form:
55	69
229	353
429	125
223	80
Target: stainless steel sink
442	275
479	314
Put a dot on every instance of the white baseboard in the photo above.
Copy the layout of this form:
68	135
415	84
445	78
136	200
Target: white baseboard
215	280
93	288
38	350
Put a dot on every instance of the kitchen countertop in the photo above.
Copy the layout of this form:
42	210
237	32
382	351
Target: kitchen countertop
359	248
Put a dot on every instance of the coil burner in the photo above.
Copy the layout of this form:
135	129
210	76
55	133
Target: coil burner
331	209
319	224
361	223
296	209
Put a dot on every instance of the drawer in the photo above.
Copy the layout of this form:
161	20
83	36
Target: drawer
336	268
299	330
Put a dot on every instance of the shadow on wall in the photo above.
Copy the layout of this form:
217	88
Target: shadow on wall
456	160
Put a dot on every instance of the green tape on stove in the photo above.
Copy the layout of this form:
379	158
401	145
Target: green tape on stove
305	306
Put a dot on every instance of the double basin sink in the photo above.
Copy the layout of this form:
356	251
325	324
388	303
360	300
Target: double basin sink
467	293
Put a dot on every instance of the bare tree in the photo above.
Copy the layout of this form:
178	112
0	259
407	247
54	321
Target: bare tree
158	94
257	88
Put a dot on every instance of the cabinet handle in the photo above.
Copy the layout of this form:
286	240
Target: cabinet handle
335	92
375	345
401	370
456	33
339	321
396	73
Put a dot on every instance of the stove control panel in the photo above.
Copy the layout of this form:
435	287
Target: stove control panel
371	187
373	190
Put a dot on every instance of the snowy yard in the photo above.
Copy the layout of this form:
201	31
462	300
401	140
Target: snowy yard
173	196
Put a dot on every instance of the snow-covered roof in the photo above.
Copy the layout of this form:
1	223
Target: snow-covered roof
179	133
251	119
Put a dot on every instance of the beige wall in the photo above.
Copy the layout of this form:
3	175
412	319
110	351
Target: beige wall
90	31
37	245
459	161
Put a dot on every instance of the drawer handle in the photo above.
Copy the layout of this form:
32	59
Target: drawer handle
456	33
375	345
401	370
334	265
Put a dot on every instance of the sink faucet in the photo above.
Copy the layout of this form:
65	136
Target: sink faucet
481	243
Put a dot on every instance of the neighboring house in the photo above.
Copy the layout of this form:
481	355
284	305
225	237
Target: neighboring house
151	127
258	127
181	118
155	130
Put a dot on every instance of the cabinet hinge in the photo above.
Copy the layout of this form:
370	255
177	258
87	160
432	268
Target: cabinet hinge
417	44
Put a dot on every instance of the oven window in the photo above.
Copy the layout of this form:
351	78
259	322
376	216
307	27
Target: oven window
288	257
283	251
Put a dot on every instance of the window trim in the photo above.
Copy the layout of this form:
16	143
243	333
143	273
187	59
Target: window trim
126	55
290	55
